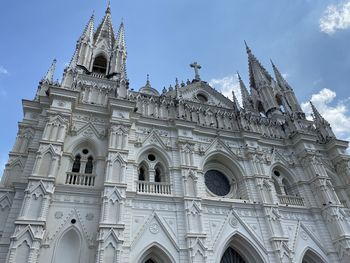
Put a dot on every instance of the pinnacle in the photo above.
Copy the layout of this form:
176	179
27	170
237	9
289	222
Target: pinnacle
51	71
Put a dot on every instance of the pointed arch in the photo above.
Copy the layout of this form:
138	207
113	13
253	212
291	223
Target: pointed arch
157	253
22	252
311	256
68	247
243	247
222	176
284	180
45	164
100	63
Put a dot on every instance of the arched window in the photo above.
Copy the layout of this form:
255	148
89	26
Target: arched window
100	65
76	164
261	109
157	176
142	173
89	165
280	103
150	261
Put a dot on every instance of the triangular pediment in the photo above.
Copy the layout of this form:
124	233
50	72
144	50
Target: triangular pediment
89	130
114	195
155	225
5	201
193	91
154	138
217	145
57	119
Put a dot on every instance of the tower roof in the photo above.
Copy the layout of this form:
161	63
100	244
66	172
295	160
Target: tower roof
317	115
51	71
88	33
257	73
246	100
120	43
279	78
105	29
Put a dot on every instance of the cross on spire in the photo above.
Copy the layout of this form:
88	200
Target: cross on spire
196	67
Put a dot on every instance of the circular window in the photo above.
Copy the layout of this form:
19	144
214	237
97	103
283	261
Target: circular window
277	173
85	151
202	98
73	221
217	182
151	157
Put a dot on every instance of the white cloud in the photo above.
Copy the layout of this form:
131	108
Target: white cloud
3	70
336	17
338	116
226	85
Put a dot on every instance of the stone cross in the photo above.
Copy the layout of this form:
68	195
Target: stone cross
196	67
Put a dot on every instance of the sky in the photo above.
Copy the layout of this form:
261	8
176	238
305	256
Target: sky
308	40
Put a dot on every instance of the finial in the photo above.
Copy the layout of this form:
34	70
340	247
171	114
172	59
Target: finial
239	76
247	48
147	82
108	10
176	82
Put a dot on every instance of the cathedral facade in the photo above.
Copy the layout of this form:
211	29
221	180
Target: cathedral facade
102	173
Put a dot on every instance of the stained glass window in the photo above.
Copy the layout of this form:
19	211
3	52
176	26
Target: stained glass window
217	182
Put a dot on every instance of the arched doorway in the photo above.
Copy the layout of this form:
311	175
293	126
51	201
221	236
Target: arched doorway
240	250
312	257
232	256
155	254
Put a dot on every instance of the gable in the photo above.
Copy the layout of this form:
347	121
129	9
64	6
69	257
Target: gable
195	91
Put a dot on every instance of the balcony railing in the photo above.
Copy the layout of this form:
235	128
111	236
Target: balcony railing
98	75
291	200
80	179
153	187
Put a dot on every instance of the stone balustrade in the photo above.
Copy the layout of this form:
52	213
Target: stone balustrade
153	187
291	200
80	179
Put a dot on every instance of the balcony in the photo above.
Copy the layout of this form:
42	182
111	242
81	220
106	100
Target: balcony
291	200
80	179
153	188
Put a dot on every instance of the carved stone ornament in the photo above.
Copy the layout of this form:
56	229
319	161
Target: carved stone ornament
154	228
89	216
58	214
234	222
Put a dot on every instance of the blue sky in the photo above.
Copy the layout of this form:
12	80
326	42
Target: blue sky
307	39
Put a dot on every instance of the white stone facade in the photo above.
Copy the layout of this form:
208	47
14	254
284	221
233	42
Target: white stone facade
102	173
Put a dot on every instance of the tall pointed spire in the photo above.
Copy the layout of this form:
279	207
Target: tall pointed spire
246	99
281	81
323	127
51	71
258	75
235	101
120	43
317	115
88	33
105	29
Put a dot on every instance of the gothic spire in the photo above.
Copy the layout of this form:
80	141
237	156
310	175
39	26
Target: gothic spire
105	29
317	115
235	101
279	78
323	127
51	71
246	99
88	33
121	37
258	75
